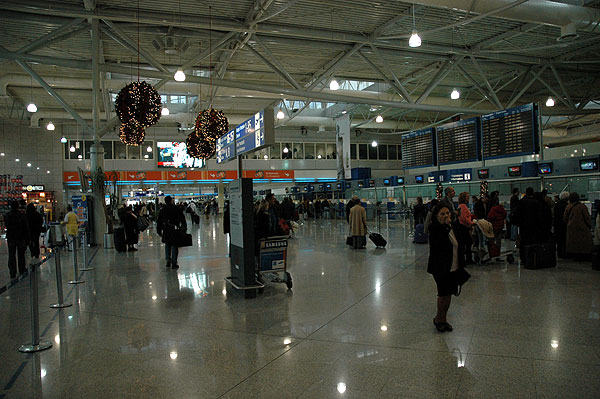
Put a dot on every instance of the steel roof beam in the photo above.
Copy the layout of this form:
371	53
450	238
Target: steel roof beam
282	73
385	78
56	33
505	36
439	76
334	66
278	64
399	84
223	41
487	83
562	86
527	86
476	85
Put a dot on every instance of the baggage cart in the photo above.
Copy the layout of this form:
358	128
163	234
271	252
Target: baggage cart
272	261
481	248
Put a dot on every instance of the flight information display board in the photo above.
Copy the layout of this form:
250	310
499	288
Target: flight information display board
418	149
458	141
510	132
226	147
255	132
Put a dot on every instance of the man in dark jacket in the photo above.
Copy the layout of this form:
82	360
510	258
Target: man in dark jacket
170	220
349	206
17	237
35	223
534	218
420	211
481	207
560	226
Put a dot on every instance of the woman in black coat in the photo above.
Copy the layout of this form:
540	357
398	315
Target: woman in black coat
444	256
131	231
36	223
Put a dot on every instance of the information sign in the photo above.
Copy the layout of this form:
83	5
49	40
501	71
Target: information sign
418	149
226	147
458	141
510	132
255	132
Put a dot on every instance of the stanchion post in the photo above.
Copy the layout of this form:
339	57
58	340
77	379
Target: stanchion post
35	345
85	267
59	288
75	266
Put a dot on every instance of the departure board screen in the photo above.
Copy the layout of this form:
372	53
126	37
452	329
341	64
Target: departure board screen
418	149
458	141
510	132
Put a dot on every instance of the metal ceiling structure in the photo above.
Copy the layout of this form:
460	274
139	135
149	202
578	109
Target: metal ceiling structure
71	56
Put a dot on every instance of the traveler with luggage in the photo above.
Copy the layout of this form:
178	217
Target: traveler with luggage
579	224
263	225
129	220
560	225
358	225
72	222
419	211
17	236
171	220
444	257
534	218
497	217
349	206
35	223
465	226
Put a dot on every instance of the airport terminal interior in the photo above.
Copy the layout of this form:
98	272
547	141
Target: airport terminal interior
292	136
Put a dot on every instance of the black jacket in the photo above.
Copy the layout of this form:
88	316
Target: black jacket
17	228
514	204
559	213
349	206
35	222
170	217
480	209
534	218
420	211
226	221
441	250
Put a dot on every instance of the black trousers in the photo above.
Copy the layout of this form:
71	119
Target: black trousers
34	247
16	251
465	242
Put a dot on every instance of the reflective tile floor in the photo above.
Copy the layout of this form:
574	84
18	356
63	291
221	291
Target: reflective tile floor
357	324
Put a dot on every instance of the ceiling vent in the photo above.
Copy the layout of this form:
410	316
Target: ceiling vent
170	44
568	33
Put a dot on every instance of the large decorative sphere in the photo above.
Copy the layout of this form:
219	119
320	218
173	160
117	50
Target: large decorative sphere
199	148
138	101
211	123
132	133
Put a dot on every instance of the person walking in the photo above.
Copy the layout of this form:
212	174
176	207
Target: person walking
17	236
358	226
531	218
349	206
35	221
131	232
465	226
579	236
72	222
444	257
560	225
170	220
420	212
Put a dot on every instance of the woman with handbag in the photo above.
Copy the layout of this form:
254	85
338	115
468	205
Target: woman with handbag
445	260
171	221
579	224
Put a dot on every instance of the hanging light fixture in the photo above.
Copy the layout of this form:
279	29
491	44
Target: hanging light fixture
374	143
286	150
164	111
31	107
50	126
455	95
550	102
149	149
266	156
280	114
179	75
415	39
379	119
63	140
72	149
334	85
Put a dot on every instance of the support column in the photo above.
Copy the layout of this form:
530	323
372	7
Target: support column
221	196
96	162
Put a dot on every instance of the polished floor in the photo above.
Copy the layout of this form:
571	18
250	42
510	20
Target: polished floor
357	324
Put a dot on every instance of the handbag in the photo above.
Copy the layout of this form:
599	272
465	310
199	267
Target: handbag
460	277
349	240
142	223
182	239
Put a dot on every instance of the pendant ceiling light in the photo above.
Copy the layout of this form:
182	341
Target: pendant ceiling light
415	39
50	126
179	75
286	150
550	102
72	149
280	114
164	111
379	119
455	95
334	85
31	107
374	143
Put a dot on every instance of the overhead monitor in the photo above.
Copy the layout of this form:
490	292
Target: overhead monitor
348	184
339	186
419	179
371	183
361	184
483	173
386	182
400	181
545	168
589	164
173	154
514	170
328	187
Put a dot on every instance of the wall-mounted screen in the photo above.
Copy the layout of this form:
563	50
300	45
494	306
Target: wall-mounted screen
588	164
418	149
339	186
419	179
361	184
386	182
545	168
400	181
514	170
510	132
328	187
371	183
173	154
483	173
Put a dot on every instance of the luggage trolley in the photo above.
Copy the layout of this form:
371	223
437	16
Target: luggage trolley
481	248
272	260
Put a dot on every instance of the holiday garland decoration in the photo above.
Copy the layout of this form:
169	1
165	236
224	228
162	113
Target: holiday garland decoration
210	125
439	191
138	106
484	187
132	133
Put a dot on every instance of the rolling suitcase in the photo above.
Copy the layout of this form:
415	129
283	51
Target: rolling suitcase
540	256
378	240
493	249
119	239
420	236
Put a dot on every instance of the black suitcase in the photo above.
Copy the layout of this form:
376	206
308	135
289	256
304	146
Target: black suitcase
119	239
378	240
540	256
